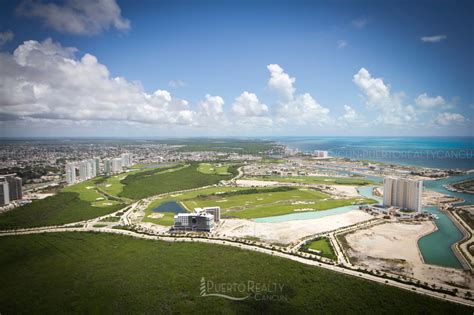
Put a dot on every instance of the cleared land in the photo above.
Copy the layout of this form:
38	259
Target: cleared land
323	246
98	273
393	247
216	168
313	180
290	231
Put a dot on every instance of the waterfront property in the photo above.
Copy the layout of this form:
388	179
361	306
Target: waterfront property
402	193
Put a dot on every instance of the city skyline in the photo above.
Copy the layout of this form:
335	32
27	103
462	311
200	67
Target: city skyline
235	69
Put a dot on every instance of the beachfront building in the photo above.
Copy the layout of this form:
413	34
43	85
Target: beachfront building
201	221
321	154
402	193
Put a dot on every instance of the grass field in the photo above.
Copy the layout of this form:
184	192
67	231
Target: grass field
262	202
138	186
214	168
111	274
315	180
324	246
266	204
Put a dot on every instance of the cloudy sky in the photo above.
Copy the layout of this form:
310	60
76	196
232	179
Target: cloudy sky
236	68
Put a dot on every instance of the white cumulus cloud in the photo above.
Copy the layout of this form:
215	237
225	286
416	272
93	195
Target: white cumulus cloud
427	103
293	109
281	81
46	81
446	119
378	96
248	105
83	17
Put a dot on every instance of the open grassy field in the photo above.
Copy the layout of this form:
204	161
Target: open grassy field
315	180
111	274
266	203
214	168
255	203
65	207
324	246
138	186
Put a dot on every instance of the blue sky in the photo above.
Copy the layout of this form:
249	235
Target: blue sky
340	68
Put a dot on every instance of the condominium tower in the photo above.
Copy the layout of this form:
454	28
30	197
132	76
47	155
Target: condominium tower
10	188
402	193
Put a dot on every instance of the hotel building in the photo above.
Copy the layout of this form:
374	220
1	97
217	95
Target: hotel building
194	222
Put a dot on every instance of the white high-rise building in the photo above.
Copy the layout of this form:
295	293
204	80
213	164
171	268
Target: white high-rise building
126	159
70	173
4	192
97	166
82	170
116	165
89	168
107	166
321	154
402	193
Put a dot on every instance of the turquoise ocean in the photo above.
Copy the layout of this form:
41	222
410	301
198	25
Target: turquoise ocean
435	152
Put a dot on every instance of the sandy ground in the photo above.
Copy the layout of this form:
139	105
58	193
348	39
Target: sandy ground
344	190
290	231
256	183
393	247
40	196
434	198
337	190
